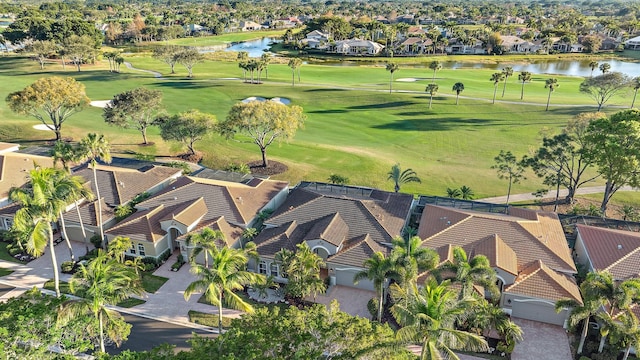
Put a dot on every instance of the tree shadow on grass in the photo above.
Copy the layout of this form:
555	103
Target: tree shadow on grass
383	105
324	90
98	76
332	111
185	84
433	124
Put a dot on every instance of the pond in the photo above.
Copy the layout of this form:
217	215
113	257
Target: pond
255	48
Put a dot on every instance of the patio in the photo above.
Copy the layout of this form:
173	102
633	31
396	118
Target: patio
541	341
352	301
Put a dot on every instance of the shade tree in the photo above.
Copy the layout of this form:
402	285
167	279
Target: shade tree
43	50
187	127
137	108
188	58
602	88
167	54
509	168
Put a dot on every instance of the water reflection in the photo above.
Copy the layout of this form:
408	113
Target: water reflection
255	48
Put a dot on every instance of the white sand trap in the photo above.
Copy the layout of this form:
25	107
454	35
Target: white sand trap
100	103
407	80
283	101
253	98
42	127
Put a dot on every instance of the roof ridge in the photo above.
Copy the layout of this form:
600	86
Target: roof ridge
623	258
131	219
116	183
236	208
524	278
376	221
290	209
333	216
451	226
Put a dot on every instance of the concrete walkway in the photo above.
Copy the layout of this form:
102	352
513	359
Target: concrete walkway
541	341
550	195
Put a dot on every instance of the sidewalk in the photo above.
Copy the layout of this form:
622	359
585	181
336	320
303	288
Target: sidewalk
550	195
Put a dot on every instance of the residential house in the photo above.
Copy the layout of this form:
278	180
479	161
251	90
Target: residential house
118	186
633	43
515	44
249	26
190	204
356	47
415	45
316	39
455	46
527	249
344	225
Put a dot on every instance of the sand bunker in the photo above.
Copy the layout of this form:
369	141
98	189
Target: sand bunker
283	101
100	103
42	127
407	80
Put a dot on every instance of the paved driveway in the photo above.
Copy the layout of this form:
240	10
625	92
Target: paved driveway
541	341
352	301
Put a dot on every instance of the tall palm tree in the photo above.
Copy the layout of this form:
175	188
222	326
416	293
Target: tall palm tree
432	89
118	246
265	58
524	77
429	317
581	312
411	259
605	68
94	147
391	68
593	65
469	272
378	269
626	332
243	57
635	84
496	78
294	64
399	177
435	66
101	283
41	202
506	72
227	273
550	84
75	191
458	88
205	241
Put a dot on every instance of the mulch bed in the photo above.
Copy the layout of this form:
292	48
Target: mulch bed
193	158
274	168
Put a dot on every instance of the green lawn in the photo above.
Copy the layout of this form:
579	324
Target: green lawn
252	302
208	319
354	127
4	254
151	283
131	302
5	272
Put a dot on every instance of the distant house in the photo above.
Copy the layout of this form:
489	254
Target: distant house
633	43
455	46
316	39
250	26
343	225
192	203
415	45
356	47
515	44
527	249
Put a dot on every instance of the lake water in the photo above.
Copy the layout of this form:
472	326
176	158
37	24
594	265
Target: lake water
256	48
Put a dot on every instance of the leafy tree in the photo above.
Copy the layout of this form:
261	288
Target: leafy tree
187	127
400	177
302	270
137	108
92	148
338	179
524	77
226	275
432	89
602	88
102	283
550	84
591	44
264	122
507	72
435	66
188	58
593	65
51	100
429	317
81	49
411	259
378	269
635	85
294	64
605	68
391	68
42	49
458	88
496	78
508	167
167	54
205	241
469	272
117	247
614	148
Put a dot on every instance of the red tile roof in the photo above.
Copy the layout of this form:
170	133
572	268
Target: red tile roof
539	281
616	251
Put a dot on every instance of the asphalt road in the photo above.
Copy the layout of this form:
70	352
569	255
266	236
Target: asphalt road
147	334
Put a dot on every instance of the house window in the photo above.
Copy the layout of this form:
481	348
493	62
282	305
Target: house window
141	250
262	267
133	249
8	223
274	269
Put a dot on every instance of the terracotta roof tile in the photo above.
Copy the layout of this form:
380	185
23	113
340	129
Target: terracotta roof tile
15	167
500	255
330	228
89	213
231	232
539	281
617	251
143	225
356	254
187	213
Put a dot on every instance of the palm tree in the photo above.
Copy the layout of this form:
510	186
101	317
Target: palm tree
391	68
466	192
219	282
435	66
605	67
506	72
103	282
94	147
265	58
400	177
411	259
626	332
432	89
75	191
294	64
117	248
243	56
429	317
581	312
496	78
635	84
378	269
205	241
41	202
469	272
453	193
593	65
550	84
524	77
458	88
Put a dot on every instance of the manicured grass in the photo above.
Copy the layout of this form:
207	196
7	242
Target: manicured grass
131	302
354	127
224	38
5	272
64	287
208	319
4	254
151	283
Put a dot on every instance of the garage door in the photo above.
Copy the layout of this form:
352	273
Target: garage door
345	277
75	233
537	311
